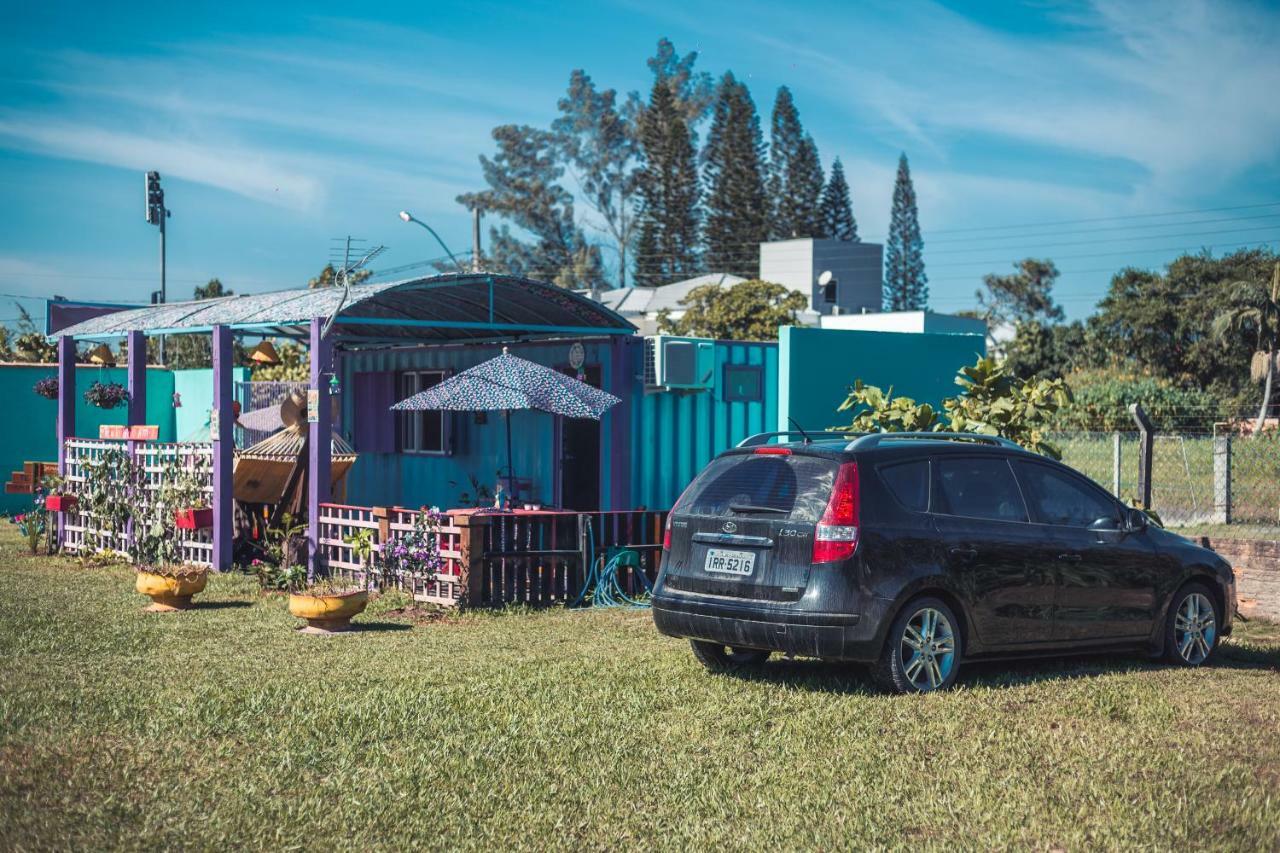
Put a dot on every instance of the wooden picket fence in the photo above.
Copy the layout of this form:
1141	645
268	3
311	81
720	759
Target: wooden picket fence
538	559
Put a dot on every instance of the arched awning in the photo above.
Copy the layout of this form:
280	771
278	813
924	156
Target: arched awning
447	308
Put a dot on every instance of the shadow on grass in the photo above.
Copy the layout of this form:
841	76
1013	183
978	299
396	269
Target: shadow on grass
378	627
220	605
851	678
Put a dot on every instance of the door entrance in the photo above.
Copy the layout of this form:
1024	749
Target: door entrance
580	453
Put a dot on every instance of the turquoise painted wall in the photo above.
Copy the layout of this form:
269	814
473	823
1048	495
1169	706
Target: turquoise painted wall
816	367
411	479
28	433
191	420
676	433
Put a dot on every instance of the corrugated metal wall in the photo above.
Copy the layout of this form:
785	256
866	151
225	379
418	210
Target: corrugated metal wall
676	433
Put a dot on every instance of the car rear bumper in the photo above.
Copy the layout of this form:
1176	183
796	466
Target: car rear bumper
834	636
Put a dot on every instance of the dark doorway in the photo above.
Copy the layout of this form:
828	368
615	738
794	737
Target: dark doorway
580	453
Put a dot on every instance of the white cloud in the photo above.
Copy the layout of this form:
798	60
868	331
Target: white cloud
230	167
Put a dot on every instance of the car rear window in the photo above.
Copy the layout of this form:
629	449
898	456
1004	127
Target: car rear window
797	487
908	482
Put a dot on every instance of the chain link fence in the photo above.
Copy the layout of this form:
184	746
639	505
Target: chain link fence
1209	476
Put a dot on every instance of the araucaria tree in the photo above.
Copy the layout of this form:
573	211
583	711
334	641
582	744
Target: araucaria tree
523	188
666	246
836	212
795	174
905	283
600	145
737	219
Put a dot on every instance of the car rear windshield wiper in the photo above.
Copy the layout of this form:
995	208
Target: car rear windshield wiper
757	508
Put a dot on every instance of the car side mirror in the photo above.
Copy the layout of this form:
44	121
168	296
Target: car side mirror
1138	520
1108	529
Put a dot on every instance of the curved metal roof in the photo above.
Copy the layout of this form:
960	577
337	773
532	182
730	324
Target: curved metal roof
454	307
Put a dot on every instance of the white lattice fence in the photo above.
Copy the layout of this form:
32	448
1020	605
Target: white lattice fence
86	531
338	521
154	460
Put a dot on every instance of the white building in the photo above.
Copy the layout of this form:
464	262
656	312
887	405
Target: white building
840	279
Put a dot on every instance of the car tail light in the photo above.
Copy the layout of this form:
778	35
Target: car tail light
773	450
836	536
666	530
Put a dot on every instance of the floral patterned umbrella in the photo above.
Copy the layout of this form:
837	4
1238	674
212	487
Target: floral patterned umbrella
508	383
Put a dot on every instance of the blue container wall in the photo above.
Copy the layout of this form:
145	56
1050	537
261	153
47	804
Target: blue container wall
28	433
480	450
817	366
676	433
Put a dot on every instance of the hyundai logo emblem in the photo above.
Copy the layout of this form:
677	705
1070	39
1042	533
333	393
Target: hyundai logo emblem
730	527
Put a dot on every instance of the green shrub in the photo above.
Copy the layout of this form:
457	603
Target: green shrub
1102	398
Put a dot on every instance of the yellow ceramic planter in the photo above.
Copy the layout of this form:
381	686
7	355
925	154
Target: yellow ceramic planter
328	613
168	593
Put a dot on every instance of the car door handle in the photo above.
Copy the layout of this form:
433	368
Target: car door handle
1069	558
963	553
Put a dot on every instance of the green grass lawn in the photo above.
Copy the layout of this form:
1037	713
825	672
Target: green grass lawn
223	728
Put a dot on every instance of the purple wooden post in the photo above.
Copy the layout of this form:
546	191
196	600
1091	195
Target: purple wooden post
66	412
137	378
621	381
319	428
223	448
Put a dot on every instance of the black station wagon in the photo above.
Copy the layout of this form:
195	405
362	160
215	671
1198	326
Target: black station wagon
913	552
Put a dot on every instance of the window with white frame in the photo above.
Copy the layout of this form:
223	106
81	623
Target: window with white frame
422	432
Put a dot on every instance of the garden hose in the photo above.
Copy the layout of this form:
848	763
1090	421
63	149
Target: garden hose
601	585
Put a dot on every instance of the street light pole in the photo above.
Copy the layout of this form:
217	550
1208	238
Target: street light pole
157	213
408	217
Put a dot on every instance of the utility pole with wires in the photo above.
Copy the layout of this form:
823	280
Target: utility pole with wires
156	214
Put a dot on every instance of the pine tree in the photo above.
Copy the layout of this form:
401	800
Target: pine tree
737	217
836	210
666	246
905	283
795	173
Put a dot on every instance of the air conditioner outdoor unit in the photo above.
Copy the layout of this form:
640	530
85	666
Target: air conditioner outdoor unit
683	363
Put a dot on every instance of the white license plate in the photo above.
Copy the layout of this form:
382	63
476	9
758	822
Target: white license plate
740	563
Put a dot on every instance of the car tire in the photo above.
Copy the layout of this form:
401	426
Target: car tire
923	650
1192	626
720	658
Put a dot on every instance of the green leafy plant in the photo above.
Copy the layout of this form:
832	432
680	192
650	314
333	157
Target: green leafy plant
880	411
279	541
480	495
991	402
280	578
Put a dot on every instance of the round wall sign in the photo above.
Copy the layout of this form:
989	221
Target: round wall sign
577	356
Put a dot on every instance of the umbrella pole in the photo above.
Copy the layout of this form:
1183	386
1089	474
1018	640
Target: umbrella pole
511	472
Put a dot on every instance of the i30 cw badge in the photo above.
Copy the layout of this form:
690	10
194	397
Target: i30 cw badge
729	527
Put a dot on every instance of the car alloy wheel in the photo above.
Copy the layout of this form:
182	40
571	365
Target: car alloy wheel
927	649
1195	628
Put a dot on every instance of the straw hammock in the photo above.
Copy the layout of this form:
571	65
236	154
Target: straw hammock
262	471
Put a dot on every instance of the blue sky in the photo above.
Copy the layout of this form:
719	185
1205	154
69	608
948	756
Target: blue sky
278	126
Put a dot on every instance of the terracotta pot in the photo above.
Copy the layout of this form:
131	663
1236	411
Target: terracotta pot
168	593
193	519
60	503
328	613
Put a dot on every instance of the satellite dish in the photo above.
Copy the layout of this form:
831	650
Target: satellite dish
825	277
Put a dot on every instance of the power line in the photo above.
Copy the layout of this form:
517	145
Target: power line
1126	217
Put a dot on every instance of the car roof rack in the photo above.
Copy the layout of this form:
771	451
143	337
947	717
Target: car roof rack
875	439
763	437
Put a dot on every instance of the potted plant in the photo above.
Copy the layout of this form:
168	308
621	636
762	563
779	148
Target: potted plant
106	395
170	587
184	492
327	604
55	499
47	387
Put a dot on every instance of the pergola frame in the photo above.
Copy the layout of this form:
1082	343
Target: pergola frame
485	320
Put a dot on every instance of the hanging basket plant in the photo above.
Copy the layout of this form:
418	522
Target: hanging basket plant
47	387
106	395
